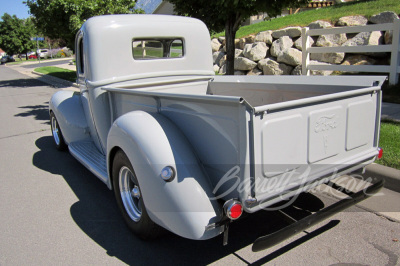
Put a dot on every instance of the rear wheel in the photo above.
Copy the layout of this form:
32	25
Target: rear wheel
57	134
130	199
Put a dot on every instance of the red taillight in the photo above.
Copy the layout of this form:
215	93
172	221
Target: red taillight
236	211
380	153
233	209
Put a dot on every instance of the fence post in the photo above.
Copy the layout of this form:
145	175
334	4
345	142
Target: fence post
395	55
305	59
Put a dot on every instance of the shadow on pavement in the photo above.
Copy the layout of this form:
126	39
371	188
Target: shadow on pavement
97	214
28	82
39	112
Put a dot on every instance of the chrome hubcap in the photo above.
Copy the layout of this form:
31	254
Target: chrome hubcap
130	194
55	130
136	192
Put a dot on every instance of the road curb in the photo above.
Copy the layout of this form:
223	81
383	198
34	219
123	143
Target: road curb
390	175
54	80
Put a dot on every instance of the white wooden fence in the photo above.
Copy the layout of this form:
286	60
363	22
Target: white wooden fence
393	69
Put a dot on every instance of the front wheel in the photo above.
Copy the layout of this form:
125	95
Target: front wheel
130	199
57	134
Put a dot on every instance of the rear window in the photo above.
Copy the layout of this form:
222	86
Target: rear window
143	49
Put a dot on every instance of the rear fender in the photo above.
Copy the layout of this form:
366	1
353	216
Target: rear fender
151	142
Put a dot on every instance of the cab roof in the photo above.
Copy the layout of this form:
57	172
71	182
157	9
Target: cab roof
108	47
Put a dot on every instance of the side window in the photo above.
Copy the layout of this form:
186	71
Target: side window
79	57
145	49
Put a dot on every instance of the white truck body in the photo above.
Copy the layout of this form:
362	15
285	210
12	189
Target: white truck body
257	140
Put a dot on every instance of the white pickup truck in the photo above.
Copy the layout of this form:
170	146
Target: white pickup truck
189	151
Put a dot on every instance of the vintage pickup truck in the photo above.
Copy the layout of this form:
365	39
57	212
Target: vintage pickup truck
189	151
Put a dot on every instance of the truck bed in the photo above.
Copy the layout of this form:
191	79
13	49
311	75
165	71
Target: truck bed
267	138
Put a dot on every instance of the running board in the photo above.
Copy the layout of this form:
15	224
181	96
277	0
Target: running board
88	154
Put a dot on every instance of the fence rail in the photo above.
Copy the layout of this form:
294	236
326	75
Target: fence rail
393	69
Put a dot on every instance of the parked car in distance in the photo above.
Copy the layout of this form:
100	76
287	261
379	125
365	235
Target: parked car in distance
42	52
32	56
7	58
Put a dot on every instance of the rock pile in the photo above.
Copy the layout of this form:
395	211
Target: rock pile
279	52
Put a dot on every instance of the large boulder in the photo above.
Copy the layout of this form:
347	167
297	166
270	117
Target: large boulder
217	56
215	45
278	46
264	36
290	31
222	40
271	67
332	58
388	37
352	21
255	51
297	71
239	73
366	38
293	32
319	24
279	33
250	38
222	70
299	43
358	60
290	57
384	17
320	72
331	40
237	45
222	61
238	52
242	63
241	43
255	72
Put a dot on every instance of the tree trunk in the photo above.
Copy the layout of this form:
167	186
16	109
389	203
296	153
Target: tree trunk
230	47
231	27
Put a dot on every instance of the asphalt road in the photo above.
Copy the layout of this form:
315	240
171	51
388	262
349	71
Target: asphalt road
54	211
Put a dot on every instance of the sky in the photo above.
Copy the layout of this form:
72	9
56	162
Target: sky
148	5
14	7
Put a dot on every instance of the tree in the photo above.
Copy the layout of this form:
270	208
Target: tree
227	15
15	34
61	19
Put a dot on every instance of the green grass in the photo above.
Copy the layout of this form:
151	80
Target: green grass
153	53
390	143
58	72
331	14
17	61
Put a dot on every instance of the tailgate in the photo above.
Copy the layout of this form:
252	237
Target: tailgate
296	143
